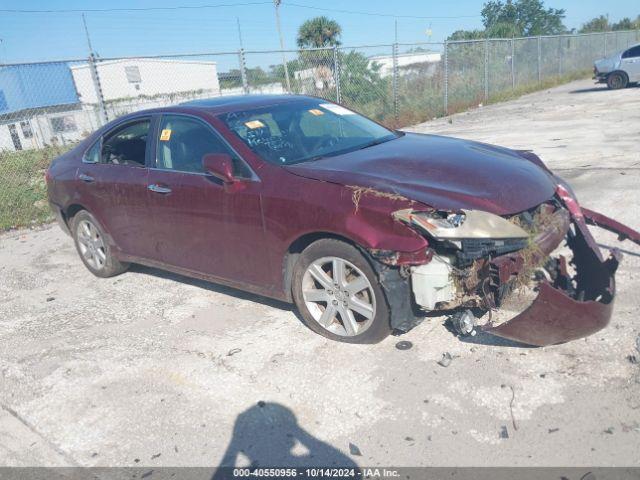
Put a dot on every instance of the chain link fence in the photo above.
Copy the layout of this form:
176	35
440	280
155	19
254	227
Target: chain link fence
47	107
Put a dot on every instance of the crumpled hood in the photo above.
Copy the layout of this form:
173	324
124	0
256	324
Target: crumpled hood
441	172
608	64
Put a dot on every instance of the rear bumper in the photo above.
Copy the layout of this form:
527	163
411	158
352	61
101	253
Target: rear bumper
57	211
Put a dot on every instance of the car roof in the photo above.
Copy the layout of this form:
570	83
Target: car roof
222	104
240	102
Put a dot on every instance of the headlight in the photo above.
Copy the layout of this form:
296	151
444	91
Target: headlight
464	224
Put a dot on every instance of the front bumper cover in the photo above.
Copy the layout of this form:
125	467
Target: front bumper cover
563	312
567	308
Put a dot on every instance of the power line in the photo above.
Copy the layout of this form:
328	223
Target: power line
377	14
133	9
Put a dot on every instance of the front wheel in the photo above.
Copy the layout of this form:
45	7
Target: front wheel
338	294
617	81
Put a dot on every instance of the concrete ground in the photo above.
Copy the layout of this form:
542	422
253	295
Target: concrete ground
150	368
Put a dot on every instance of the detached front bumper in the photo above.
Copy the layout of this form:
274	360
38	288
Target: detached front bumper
571	306
575	293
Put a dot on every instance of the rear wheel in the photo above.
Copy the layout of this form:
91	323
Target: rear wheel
93	248
338	294
617	80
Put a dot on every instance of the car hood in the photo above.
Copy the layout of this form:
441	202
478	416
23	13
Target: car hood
441	172
607	64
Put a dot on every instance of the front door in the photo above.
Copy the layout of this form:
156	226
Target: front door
201	224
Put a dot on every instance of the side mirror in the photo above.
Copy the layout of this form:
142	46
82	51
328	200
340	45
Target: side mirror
220	165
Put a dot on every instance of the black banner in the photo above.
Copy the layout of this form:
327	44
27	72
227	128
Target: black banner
373	473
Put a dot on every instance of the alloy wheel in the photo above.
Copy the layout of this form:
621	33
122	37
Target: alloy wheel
91	245
339	296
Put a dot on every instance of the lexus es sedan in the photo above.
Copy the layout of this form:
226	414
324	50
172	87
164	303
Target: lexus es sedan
365	229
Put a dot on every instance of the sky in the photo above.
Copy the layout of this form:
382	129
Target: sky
26	37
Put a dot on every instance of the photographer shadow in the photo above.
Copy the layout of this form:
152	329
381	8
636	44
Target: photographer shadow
268	435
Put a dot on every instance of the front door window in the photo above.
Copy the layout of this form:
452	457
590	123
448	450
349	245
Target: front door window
127	145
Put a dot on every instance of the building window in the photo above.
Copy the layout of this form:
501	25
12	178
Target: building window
133	74
26	129
63	124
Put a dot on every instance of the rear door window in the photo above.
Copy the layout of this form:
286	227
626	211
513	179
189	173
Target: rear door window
126	145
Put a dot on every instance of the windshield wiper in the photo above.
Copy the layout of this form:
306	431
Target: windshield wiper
373	143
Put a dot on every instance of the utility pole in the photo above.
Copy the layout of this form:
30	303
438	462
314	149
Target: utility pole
239	33
95	78
276	4
86	32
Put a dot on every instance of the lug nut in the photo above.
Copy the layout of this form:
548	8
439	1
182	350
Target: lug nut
330	292
335	302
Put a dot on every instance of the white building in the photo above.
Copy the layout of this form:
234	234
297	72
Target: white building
312	81
406	61
126	79
57	103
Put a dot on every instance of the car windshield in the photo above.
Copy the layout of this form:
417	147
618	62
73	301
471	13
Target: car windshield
304	130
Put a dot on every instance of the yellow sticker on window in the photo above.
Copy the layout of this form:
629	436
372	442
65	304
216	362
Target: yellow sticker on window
254	124
165	135
315	111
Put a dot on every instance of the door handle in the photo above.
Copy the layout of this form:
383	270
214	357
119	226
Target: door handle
158	188
86	178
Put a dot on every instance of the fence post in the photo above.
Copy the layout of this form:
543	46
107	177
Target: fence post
513	65
559	56
446	79
243	71
95	78
486	70
395	81
539	60
336	72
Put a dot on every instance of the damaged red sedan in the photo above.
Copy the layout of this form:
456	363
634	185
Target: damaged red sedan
364	228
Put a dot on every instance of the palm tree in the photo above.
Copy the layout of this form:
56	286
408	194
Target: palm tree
319	32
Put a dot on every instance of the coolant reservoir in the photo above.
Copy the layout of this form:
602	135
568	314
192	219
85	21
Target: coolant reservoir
432	283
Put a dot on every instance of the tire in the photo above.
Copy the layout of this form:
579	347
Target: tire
617	80
93	248
323	306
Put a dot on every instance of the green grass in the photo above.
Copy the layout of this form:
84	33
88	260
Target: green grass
511	94
23	192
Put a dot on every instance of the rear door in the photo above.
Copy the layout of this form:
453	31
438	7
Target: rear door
201	224
630	63
113	183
